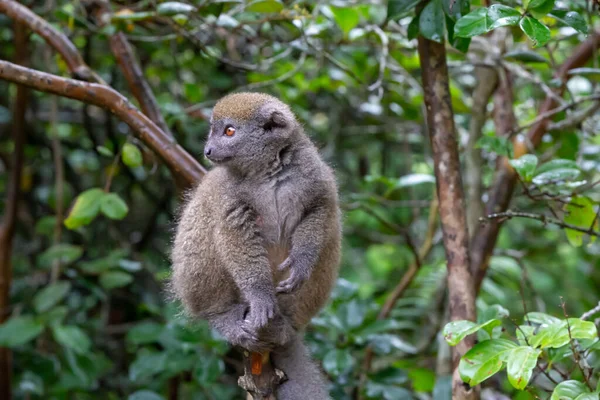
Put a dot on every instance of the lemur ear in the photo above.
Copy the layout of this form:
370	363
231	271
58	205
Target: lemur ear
276	119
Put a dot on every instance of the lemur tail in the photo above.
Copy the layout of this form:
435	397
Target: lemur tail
305	380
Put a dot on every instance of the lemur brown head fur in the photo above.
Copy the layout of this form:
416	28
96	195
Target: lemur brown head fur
248	130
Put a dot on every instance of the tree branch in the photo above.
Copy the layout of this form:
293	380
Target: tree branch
440	123
540	217
11	208
130	66
500	194
59	41
180	162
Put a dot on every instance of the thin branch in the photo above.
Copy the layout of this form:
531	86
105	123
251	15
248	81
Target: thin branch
501	192
181	163
59	41
575	119
130	66
539	217
591	312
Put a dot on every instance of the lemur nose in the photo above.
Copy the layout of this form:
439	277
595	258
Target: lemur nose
207	151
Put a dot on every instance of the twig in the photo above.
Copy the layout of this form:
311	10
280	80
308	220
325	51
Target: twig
540	217
382	58
59	41
181	163
591	312
578	360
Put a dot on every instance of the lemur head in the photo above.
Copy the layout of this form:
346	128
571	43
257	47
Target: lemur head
249	130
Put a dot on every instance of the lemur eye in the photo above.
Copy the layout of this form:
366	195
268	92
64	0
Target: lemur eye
229	131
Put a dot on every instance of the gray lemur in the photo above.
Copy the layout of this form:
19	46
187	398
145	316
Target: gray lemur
257	247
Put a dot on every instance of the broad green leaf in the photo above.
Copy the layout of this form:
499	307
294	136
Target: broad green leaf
113	206
588	396
145	395
542	318
376	390
520	364
456	9
500	15
170	8
63	253
561	334
456	331
494	311
414	179
535	30
572	19
266	6
19	330
145	332
131	155
105	151
385	343
556	175
525	166
146	365
132	16
115	279
584	71
472	24
525	56
431	21
484	360
99	265
208	370
31	383
580	212
338	361
85	209
525	334
539	8
558	163
346	18
396	8
569	390
494	144
48	297
72	337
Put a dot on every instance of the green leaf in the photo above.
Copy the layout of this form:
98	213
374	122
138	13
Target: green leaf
558	163
525	166
535	30
267	6
584	71
63	253
85	208
500	15
495	311
431	21
131	17
386	392
385	343
414	179
484	360
19	330
539	8
495	144
525	56
72	337
581	213
456	331
145	332
115	279
145	395
456	9
572	19
113	206
171	8
146	365
524	334
31	383
472	24
520	364
542	318
105	151
556	175
569	390
338	361
208	370
559	335
131	155
346	18
50	296
396	8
